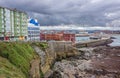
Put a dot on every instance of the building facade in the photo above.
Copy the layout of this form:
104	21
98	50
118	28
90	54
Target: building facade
47	36
13	24
33	30
69	37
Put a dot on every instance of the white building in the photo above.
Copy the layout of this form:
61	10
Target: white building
33	30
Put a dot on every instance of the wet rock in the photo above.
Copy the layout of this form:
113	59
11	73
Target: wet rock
55	74
112	38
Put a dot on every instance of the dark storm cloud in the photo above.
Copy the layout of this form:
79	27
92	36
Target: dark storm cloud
55	12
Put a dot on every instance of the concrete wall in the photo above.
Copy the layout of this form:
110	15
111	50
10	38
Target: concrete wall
63	49
59	46
93	43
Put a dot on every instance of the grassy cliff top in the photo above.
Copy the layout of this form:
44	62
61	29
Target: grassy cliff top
8	70
15	58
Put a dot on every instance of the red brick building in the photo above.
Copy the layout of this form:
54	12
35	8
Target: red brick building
69	37
57	36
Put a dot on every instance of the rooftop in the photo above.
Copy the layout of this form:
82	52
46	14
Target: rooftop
13	9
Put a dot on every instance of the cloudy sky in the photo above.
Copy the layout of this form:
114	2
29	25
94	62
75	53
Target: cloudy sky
56	12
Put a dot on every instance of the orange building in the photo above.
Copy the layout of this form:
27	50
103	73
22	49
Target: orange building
56	37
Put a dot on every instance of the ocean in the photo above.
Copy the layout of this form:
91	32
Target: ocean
116	42
79	39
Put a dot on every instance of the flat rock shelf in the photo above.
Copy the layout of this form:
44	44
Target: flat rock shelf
97	62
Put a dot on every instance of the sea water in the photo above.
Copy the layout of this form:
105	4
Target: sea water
79	39
116	41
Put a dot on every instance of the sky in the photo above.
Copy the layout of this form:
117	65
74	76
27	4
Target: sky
74	27
57	12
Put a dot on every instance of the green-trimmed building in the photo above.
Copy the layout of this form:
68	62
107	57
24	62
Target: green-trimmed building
13	24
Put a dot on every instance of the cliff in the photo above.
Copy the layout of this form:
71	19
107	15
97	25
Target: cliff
32	59
55	51
18	55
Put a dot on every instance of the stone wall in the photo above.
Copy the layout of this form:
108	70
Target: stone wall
63	49
59	46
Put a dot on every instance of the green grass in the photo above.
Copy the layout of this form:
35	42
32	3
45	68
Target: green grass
19	54
41	74
15	58
42	45
8	70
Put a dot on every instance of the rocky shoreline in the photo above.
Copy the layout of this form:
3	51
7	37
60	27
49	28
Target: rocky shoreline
97	62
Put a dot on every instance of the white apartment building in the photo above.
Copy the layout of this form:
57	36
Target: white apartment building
33	30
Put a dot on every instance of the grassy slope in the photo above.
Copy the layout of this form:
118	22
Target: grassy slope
8	70
19	55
